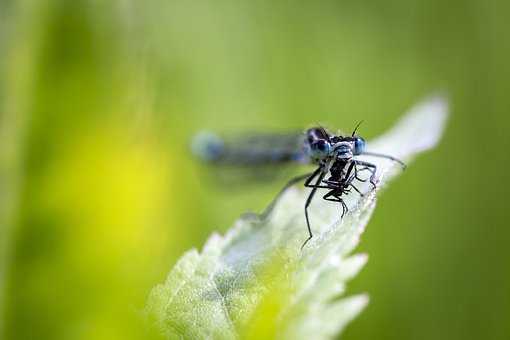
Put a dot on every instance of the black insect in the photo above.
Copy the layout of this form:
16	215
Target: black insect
334	155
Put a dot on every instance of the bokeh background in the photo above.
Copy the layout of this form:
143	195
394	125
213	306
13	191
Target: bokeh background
99	194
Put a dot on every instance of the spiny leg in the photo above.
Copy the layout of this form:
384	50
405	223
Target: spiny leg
309	200
376	154
317	183
372	168
351	176
290	183
359	192
363	180
332	184
312	176
332	196
344	206
356	173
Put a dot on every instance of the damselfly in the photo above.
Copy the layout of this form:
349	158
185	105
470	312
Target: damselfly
334	156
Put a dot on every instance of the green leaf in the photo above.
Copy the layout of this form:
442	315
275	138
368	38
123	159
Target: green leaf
256	282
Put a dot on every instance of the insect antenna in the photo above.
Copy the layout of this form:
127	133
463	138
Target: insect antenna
356	128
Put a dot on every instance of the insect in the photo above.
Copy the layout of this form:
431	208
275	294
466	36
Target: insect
337	169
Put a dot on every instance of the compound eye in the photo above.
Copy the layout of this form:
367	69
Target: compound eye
359	145
321	148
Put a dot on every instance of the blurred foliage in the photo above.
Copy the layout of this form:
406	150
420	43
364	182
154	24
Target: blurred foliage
98	194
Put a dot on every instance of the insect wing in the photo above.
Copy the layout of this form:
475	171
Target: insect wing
252	149
255	158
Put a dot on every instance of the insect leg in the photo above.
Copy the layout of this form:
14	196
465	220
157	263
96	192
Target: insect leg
376	154
290	183
312	176
327	197
336	198
309	200
372	168
330	184
359	192
358	171
297	179
348	175
317	184
344	207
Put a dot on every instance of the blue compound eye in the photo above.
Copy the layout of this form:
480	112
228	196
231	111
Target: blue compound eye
320	149
359	145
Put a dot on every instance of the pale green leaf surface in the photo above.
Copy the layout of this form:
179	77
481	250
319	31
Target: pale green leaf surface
257	277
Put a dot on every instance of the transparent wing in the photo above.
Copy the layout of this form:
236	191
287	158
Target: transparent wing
252	158
251	149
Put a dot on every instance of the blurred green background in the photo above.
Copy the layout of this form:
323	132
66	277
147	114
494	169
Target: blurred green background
99	195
